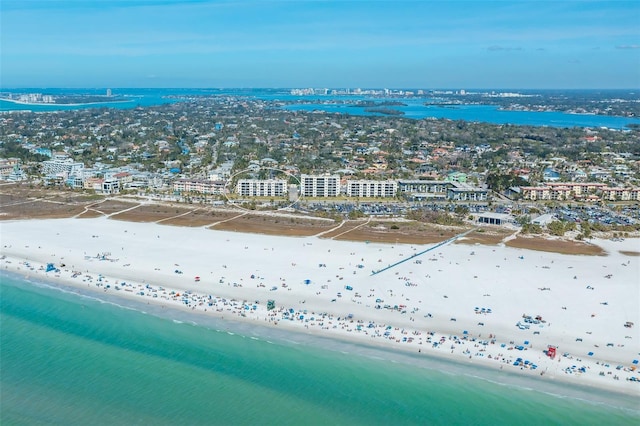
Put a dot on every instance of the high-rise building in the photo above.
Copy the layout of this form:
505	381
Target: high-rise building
372	188
262	187
320	186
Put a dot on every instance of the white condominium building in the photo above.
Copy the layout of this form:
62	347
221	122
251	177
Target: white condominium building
262	188
61	166
319	186
372	188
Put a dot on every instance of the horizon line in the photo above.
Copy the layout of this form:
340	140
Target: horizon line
310	87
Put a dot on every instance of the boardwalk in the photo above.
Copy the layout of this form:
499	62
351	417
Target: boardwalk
440	244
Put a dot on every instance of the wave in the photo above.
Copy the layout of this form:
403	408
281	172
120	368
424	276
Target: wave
261	333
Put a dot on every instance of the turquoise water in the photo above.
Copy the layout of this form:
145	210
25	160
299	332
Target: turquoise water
70	359
482	113
414	108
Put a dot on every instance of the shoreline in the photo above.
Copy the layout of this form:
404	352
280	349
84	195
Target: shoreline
357	321
58	105
294	338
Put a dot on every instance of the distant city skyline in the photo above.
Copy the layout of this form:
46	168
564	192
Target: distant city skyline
320	43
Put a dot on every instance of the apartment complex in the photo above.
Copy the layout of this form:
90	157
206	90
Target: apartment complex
466	192
423	189
441	190
200	186
320	186
61	165
262	187
372	188
561	191
621	194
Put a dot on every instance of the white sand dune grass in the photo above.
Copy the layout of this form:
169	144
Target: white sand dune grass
458	301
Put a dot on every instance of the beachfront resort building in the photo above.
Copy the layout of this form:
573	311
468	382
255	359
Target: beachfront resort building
441	190
200	186
61	165
424	189
101	185
372	188
535	193
621	194
465	192
577	190
262	187
320	185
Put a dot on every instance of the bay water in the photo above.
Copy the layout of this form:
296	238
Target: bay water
68	358
413	108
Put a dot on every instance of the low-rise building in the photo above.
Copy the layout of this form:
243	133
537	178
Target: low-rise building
535	193
621	194
464	192
578	189
424	189
200	186
491	218
443	190
7	166
562	191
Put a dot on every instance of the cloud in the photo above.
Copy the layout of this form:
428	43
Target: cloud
495	48
628	46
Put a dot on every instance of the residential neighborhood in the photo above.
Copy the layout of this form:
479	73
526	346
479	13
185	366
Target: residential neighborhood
213	149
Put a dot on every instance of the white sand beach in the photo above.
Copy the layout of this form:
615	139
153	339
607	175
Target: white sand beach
486	305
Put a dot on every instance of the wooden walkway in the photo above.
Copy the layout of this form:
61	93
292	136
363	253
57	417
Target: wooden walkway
440	244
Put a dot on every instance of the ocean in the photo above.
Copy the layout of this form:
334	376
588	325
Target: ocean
414	109
68	358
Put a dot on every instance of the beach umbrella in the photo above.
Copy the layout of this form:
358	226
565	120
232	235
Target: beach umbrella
590	354
635	361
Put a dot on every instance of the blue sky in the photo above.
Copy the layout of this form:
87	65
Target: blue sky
320	43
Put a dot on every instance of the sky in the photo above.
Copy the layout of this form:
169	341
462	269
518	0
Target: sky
554	44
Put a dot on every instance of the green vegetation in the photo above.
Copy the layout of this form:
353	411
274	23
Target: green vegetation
440	218
13	149
501	181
